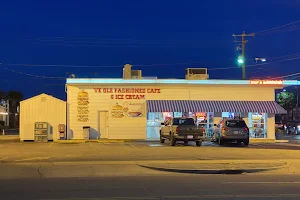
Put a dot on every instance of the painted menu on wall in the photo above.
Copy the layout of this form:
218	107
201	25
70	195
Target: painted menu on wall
128	109
82	106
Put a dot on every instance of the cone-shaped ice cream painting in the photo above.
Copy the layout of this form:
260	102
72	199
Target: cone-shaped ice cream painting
83	106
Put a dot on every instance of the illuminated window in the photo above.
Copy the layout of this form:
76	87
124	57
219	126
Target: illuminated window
257	125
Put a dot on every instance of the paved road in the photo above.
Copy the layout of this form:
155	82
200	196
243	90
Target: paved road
142	151
172	187
292	138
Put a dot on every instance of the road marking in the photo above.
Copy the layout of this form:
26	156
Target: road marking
275	182
51	144
35	158
91	144
190	197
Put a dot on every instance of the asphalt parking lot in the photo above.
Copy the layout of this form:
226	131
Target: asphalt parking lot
93	151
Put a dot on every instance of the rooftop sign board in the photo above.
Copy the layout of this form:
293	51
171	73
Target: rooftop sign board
266	82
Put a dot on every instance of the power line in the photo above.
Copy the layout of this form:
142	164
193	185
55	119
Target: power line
289	75
224	68
259	32
105	41
281	31
105	66
32	75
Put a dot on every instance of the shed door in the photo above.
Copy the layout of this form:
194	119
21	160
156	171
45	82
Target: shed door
103	125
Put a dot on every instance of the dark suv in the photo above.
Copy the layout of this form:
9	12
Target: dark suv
231	130
292	127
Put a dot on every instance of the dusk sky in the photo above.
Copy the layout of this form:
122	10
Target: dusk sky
42	42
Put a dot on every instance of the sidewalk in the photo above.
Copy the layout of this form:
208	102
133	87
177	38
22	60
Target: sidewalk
9	138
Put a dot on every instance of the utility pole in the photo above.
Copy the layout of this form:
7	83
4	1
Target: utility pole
242	47
7	111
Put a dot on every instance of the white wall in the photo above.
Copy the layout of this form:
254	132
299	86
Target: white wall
135	128
271	126
41	108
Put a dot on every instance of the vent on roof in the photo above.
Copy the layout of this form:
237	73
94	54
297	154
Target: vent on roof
196	74
43	99
136	74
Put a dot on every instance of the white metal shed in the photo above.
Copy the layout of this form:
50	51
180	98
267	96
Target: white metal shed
41	108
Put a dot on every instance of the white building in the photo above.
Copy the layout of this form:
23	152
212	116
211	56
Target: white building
41	108
3	114
133	107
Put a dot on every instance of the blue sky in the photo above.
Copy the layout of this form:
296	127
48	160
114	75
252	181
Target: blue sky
166	36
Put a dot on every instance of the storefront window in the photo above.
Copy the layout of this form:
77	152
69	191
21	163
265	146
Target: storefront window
258	125
154	120
231	114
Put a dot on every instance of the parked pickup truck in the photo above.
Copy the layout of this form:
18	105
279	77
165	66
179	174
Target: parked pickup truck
182	129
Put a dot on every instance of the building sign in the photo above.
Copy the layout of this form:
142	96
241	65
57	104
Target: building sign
127	93
128	110
266	82
83	106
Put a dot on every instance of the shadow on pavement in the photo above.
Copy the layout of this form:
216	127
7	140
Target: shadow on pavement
207	171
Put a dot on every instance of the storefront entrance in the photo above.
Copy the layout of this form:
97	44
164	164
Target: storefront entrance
154	120
103	124
255	113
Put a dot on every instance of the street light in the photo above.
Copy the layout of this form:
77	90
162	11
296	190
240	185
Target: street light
261	59
240	60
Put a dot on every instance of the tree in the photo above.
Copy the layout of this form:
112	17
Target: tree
14	98
2	97
287	100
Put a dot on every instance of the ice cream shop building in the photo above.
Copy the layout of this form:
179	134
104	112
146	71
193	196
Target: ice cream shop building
134	107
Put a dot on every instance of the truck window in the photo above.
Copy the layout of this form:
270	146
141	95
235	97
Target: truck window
187	121
236	123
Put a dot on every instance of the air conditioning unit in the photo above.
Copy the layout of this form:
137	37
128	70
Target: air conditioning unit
196	74
136	74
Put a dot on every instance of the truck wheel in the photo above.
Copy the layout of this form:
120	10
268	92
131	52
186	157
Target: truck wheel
198	143
172	141
221	141
246	142
161	139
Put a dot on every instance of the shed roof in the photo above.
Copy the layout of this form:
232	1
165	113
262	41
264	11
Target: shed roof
41	95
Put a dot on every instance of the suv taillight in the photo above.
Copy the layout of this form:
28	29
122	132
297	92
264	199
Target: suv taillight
225	129
246	129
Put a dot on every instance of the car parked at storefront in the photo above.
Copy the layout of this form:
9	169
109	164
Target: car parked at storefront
231	130
292	127
181	129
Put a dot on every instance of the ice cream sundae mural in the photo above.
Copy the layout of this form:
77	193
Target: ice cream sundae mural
128	109
83	106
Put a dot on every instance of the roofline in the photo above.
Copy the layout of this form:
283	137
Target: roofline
71	81
43	94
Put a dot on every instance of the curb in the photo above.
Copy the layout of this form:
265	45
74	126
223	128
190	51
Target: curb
149	162
97	141
282	141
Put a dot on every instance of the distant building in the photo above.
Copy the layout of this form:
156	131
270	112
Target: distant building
3	114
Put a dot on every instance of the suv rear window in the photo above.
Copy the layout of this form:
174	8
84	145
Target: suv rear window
187	121
236	123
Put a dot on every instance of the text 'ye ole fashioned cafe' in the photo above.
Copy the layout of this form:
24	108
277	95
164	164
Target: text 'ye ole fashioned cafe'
133	107
127	93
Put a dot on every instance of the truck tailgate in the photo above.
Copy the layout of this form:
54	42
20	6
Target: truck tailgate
190	130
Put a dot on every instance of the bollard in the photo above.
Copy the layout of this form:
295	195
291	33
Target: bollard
3	132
